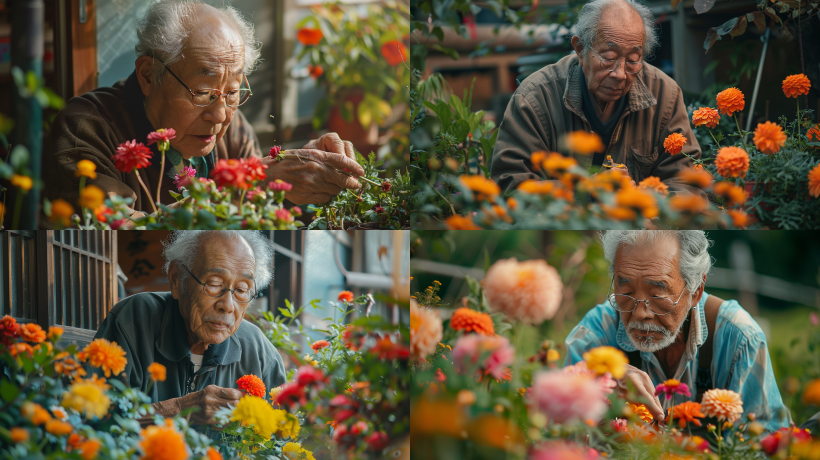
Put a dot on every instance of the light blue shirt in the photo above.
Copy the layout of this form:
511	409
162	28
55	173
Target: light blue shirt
740	358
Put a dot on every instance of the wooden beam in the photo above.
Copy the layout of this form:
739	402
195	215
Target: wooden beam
84	47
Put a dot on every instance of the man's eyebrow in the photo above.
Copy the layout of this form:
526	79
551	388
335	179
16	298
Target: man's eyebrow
634	48
623	280
656	283
206	72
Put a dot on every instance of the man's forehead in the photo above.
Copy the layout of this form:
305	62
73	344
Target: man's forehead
244	273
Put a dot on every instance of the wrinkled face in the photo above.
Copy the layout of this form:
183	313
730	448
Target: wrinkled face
213	58
620	37
647	270
221	260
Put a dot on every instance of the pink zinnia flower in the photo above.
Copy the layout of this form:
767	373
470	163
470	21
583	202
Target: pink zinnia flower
671	387
561	450
117	223
274	151
132	155
162	135
471	347
606	381
253	193
814	320
528	291
567	398
618	425
183	179
296	211
283	215
279	186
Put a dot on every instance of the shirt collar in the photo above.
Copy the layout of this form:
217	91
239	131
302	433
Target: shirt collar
638	97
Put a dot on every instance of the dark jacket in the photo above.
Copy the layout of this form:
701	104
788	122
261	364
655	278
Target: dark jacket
149	327
549	104
93	125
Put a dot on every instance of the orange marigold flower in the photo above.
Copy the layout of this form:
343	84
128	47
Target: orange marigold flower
706	116
163	443
459	222
536	187
796	85
346	296
58	427
54	333
157	372
252	384
467	320
31	332
68	366
813	135
730	192
654	183
8	328
811	393
19	434
698	167
89	449
642	412
394	52
686	412
214	454
319	344
512	204
309	37
814	181
769	137
537	159
695	177
106	355
35	413
315	71
693	204
556	165
730	101
723	404
583	142
637	200
19	348
481	186
739	218
732	162
674	143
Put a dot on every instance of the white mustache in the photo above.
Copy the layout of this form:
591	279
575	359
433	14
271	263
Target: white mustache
648	327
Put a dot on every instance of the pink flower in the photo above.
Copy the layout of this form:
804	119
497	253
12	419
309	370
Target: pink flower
471	347
117	223
386	186
566	398
296	211
561	450
183	179
132	155
274	151
254	169
671	387
618	425
162	135
279	186
283	215
528	291
230	173
253	193
814	320
205	180
606	381
378	209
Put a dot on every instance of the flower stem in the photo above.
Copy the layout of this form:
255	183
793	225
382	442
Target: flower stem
161	172
18	206
713	137
740	131
241	199
797	99
147	192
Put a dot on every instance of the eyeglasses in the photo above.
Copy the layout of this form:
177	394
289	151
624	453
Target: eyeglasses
629	66
658	305
205	97
213	289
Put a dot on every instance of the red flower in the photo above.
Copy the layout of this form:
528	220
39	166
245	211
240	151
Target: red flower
230	173
378	209
319	344
296	211
8	329
394	52
771	443
308	375
118	223
102	212
315	71
279	186
292	393
162	135
343	407
132	155
252	384
274	151
183	179
345	296
352	334
309	37
342	435
387	350
283	215
386	186
254	168
377	441
359	427
440	376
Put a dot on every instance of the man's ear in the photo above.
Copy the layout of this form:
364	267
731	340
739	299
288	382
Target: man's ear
174	280
145	73
577	45
699	292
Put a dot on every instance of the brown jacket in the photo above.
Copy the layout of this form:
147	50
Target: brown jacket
548	104
93	125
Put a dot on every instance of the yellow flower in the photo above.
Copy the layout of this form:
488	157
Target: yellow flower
91	197
87	397
553	355
274	392
157	372
86	168
606	359
61	211
258	414
19	434
294	450
163	443
106	355
310	360
288	424
22	182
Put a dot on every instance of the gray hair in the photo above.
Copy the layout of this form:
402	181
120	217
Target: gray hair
183	246
586	28
694	260
162	32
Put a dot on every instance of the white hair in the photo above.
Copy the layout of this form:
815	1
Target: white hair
183	246
694	260
586	28
162	32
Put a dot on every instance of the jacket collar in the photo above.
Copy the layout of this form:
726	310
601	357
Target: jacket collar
698	331
172	342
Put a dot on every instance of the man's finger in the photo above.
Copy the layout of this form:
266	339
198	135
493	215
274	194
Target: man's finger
350	152
331	142
342	180
341	161
230	393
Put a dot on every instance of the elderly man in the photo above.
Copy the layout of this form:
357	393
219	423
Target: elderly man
196	330
658	313
604	87
191	75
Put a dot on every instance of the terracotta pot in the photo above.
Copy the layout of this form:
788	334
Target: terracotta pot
363	139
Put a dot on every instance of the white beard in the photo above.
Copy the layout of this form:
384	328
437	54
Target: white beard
648	344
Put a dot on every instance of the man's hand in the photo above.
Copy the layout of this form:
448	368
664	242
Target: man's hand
331	142
643	385
208	400
313	181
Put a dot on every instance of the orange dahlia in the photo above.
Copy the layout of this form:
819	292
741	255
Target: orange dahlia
252	384
730	192
31	332
157	372
394	52
739	218
693	204
730	101
769	137
68	366
811	393
536	187
695	177
345	296
706	116
537	158
732	162
814	134
796	85
583	142
163	443
556	164
481	186
637	200
674	143
106	355
654	183
723	404
814	181
467	320
642	412
58	427
686	412
458	222
308	36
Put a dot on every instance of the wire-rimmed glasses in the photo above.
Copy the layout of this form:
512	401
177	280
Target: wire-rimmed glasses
207	96
630	67
657	305
212	289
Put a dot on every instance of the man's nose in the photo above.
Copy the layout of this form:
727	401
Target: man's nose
217	112
641	312
225	303
620	71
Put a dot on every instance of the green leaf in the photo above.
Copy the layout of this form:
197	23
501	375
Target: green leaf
8	391
459	130
19	157
285	313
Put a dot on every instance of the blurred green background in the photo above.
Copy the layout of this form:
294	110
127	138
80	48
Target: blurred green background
775	275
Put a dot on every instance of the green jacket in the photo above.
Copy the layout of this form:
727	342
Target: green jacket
149	327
